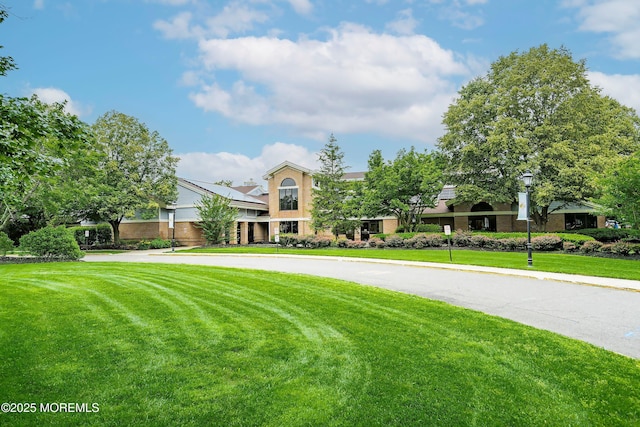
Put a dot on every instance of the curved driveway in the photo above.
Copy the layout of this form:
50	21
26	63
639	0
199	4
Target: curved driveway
604	312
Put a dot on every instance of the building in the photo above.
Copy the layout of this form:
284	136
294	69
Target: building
285	207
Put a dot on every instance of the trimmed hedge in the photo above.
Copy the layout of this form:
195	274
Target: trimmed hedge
52	242
422	228
153	244
609	235
311	241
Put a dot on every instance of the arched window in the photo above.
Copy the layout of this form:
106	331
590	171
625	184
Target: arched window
482	222
482	207
288	195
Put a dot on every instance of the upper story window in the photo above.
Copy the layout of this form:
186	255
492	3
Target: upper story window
288	195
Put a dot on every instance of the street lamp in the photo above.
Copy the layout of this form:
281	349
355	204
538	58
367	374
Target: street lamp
527	178
171	209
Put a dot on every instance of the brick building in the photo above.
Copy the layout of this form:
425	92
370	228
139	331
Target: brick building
285	207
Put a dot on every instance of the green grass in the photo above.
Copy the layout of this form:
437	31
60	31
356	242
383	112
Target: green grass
191	345
104	251
542	261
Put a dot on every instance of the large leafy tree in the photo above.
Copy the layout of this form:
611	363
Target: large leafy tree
37	141
216	218
621	191
333	208
135	170
6	62
403	187
534	111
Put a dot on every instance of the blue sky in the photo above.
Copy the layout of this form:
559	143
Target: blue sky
238	86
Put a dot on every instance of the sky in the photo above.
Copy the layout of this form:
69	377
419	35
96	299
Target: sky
237	87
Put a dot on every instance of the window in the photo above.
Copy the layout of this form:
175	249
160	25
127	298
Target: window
288	195
289	227
574	221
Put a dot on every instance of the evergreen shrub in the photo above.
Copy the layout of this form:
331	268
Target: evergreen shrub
591	246
52	242
6	244
546	243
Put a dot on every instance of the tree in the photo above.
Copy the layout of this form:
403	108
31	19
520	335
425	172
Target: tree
216	218
621	191
534	111
331	209
6	62
135	170
36	141
403	187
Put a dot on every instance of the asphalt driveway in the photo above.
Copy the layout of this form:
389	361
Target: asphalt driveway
603	312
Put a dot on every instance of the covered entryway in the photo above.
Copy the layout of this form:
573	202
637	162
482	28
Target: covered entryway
481	219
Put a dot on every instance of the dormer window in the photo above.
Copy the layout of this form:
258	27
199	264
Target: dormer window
288	195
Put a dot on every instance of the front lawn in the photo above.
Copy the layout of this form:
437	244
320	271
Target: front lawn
192	345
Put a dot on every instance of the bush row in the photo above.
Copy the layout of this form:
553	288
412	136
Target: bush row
596	247
422	228
152	244
304	241
498	241
506	242
608	235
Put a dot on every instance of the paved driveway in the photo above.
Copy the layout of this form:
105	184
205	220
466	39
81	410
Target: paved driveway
603	312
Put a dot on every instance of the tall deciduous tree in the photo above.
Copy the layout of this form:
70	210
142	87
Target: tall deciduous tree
331	209
6	62
534	111
136	170
403	187
216	218
36	142
621	191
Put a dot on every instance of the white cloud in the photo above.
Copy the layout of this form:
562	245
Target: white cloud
355	81
178	28
461	13
303	7
405	24
233	18
50	95
212	167
38	4
623	88
618	17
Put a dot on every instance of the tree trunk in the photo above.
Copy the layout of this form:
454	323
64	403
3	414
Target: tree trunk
115	226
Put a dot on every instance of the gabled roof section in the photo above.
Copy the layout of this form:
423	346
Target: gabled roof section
228	192
251	190
286	164
353	176
448	193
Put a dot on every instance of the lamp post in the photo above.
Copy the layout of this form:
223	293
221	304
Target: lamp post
171	209
527	178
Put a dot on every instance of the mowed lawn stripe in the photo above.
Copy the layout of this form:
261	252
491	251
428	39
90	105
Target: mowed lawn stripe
193	345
